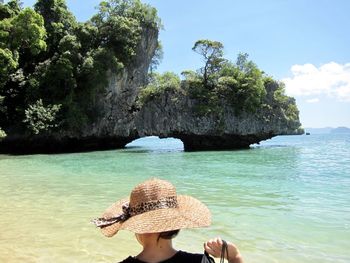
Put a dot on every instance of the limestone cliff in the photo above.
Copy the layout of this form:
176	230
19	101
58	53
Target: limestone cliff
120	119
114	107
174	115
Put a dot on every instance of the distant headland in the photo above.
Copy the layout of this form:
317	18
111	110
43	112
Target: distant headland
328	130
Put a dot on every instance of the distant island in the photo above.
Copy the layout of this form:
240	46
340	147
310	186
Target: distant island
68	86
327	130
341	130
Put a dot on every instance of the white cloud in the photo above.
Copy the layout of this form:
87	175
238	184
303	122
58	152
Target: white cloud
315	100
331	79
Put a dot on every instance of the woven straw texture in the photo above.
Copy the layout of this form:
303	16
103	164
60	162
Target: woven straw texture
190	212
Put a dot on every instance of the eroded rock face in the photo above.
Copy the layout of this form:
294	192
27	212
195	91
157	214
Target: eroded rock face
172	114
116	106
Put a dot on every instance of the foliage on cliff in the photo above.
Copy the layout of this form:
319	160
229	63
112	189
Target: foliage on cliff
48	58
240	84
158	84
2	134
41	118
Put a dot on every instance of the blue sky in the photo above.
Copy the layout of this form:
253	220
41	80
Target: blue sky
305	43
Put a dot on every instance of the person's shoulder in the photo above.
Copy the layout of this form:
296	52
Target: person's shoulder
179	257
129	259
190	256
194	258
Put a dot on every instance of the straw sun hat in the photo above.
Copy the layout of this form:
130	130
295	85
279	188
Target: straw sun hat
153	207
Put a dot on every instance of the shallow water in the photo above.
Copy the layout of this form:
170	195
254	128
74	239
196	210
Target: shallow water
286	200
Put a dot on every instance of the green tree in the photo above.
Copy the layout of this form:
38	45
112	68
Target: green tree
20	35
122	35
59	21
158	84
242	84
10	9
22	32
190	75
27	32
2	134
212	53
242	61
87	34
40	118
120	24
8	63
133	9
2	111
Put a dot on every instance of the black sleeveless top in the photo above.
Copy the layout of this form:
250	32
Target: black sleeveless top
179	257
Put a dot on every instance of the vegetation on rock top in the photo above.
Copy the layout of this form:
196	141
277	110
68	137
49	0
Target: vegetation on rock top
52	67
240	84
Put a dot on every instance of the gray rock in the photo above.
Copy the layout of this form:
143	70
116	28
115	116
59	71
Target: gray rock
174	115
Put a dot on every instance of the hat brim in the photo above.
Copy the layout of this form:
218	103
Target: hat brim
190	213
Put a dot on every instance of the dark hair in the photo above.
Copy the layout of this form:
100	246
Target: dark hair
168	234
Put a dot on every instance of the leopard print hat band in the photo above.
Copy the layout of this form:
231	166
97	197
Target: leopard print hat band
166	202
152	207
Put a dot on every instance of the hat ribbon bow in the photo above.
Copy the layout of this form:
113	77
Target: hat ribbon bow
104	222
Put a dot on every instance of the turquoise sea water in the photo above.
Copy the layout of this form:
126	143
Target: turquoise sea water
286	200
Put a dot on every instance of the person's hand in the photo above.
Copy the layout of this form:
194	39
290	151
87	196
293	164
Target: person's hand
214	247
